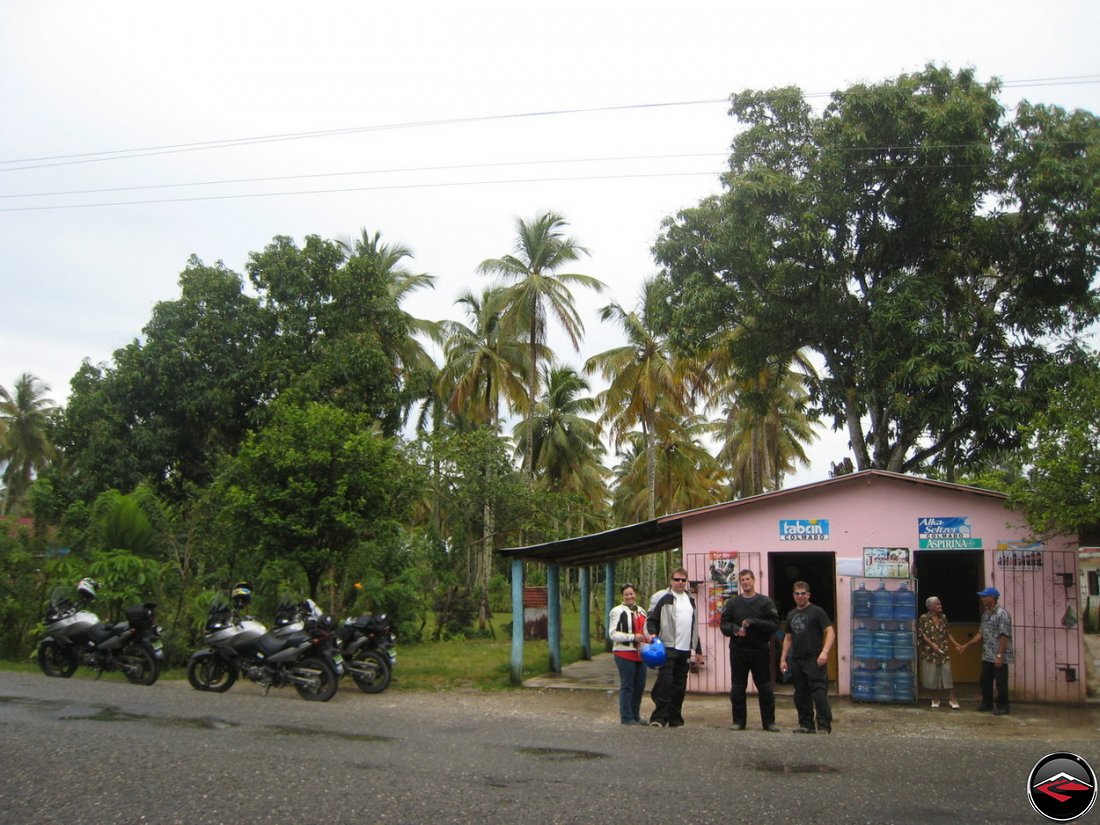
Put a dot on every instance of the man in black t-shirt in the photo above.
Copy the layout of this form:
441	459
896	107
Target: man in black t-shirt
750	619
810	637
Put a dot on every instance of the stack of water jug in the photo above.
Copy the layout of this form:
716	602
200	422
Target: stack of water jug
883	643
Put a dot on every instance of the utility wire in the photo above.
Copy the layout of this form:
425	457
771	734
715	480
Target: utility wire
358	189
394	170
123	154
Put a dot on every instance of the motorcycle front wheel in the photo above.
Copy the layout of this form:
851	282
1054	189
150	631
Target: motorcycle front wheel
56	660
139	664
371	672
326	680
209	671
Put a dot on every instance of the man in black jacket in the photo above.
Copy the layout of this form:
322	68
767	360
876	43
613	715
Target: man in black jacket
750	619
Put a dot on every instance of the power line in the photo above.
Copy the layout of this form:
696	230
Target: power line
395	170
147	151
357	189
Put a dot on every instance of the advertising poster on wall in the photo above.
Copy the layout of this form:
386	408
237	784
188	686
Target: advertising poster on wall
886	562
1019	555
721	584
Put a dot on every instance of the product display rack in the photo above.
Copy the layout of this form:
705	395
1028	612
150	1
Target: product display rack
884	651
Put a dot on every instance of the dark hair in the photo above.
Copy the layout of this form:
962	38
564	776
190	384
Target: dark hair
746	572
625	586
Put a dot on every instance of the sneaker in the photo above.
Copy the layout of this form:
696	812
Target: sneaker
772	728
954	705
1000	712
935	703
984	708
803	730
737	726
656	724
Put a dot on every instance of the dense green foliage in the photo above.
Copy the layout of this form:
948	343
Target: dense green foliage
927	247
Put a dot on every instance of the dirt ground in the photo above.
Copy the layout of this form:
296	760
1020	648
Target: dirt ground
1047	723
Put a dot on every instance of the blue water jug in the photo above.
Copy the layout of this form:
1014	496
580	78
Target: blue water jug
905	603
882	603
904	691
882	685
863	684
861	602
882	644
862	644
904	646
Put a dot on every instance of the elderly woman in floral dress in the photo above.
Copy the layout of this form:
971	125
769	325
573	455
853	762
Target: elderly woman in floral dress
935	665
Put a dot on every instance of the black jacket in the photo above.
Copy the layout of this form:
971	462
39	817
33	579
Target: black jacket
763	621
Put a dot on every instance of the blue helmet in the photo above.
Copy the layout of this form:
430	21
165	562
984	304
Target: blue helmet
653	653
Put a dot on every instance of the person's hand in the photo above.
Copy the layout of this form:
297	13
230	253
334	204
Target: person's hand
783	666
822	659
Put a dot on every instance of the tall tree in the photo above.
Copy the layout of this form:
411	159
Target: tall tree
538	291
928	247
647	380
25	448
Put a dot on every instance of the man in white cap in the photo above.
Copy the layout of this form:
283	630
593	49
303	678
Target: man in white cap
995	634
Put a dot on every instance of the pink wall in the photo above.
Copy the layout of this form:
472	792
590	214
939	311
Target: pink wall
882	510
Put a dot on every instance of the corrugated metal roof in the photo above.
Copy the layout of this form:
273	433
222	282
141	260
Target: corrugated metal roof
664	533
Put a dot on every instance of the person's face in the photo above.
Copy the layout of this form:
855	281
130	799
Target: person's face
679	582
801	598
748	583
988	603
629	596
936	608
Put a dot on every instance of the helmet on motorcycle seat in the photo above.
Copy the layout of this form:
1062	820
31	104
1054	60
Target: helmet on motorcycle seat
86	588
242	594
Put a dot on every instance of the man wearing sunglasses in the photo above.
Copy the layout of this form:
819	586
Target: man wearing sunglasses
809	639
672	617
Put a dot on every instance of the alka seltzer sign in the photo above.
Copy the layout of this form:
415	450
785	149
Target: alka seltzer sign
803	529
946	533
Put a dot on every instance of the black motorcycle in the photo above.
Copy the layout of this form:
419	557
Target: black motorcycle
369	646
75	636
240	646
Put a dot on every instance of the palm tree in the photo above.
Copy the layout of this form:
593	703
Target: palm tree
24	447
647	381
482	364
567	447
536	292
765	425
412	359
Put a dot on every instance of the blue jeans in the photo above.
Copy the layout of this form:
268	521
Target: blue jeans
631	689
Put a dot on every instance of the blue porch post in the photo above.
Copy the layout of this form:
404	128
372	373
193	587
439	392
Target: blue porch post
608	598
517	622
586	610
553	611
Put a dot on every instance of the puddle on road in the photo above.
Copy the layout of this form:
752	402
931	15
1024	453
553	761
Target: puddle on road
792	767
290	730
560	754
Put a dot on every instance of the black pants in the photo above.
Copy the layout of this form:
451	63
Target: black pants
992	675
758	662
811	693
670	688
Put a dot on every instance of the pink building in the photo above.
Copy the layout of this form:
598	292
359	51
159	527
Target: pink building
952	540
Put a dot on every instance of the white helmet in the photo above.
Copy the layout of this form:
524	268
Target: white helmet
86	589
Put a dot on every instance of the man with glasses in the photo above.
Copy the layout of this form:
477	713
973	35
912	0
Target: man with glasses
810	637
672	617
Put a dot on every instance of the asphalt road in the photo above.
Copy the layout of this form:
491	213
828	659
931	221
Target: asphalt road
80	751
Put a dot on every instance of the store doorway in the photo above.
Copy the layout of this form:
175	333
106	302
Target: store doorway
816	568
955	576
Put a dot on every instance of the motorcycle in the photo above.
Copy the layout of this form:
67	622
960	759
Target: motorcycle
369	646
75	636
237	646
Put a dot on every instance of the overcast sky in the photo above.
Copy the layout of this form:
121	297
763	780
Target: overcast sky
212	127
